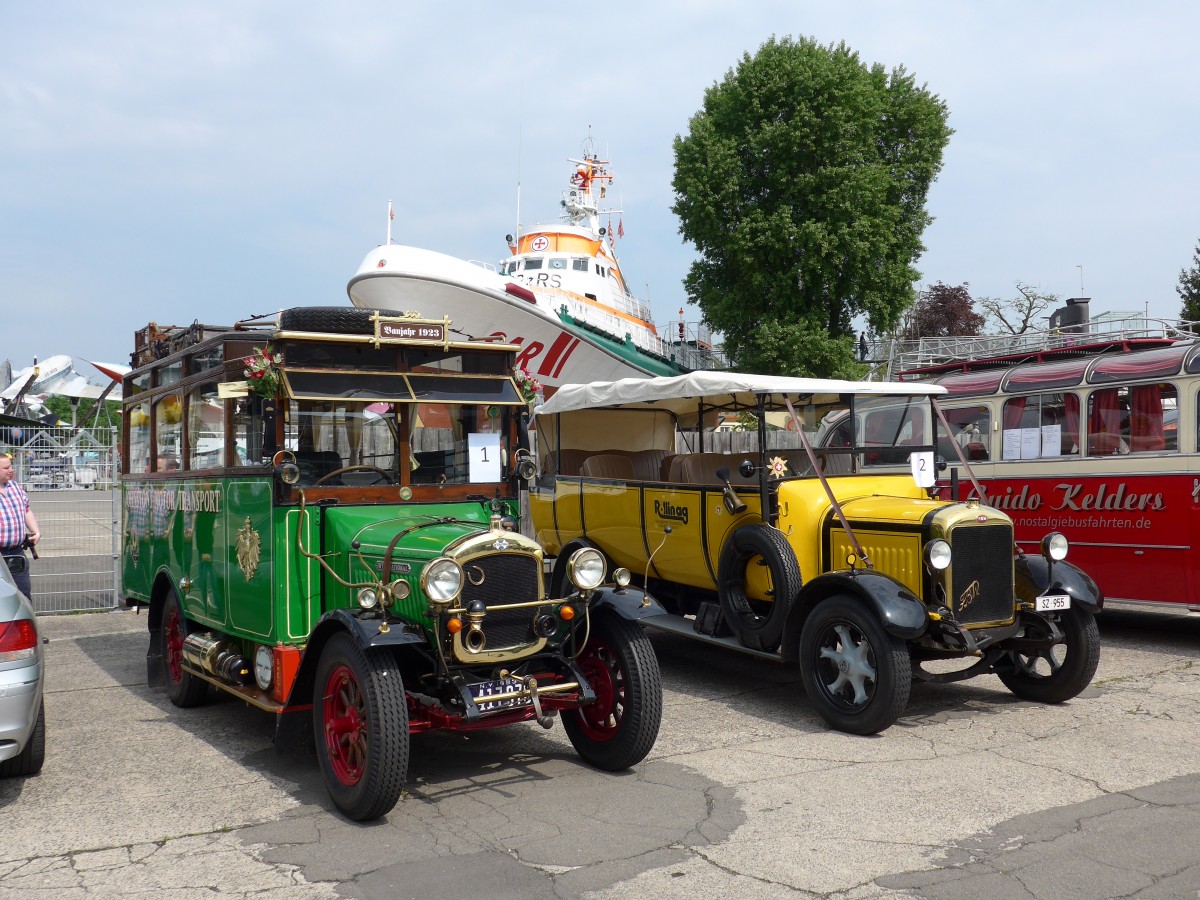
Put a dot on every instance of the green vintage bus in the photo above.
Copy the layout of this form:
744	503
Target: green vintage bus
322	518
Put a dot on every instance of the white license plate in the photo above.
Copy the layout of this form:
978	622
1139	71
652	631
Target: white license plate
486	689
1052	602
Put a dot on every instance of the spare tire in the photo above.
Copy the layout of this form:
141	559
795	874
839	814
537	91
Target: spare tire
758	624
328	319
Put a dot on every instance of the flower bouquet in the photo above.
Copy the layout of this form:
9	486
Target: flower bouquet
530	387
262	374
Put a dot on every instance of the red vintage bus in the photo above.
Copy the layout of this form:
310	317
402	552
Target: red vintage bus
1096	440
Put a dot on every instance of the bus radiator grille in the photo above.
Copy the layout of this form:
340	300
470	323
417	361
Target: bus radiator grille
982	574
507	578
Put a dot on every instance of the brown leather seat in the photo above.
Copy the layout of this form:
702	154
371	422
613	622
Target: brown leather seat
701	468
608	465
564	462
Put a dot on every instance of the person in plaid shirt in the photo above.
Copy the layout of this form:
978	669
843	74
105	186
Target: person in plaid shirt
17	522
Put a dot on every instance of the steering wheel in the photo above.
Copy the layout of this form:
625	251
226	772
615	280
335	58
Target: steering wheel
386	475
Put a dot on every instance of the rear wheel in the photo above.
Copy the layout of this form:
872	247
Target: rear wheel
856	674
183	688
618	730
1058	671
360	719
29	760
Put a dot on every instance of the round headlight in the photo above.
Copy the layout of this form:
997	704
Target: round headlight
937	554
622	577
264	666
441	580
586	569
367	598
400	589
1054	546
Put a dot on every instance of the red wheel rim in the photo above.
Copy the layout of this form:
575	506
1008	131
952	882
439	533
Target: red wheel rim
345	718
602	720
174	631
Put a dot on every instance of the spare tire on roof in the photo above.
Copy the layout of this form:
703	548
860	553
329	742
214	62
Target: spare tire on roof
329	319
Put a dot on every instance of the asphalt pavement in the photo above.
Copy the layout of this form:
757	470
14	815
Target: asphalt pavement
746	794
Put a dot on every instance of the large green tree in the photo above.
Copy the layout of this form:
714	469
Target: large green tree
1189	291
802	183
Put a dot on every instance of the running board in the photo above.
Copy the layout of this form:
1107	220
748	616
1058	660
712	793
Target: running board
685	627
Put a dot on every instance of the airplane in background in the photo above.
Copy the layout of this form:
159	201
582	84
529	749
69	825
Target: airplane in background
25	392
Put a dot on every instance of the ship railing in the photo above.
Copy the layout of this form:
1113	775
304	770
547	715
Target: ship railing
891	356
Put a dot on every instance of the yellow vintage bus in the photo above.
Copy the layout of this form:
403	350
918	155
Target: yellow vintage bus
803	555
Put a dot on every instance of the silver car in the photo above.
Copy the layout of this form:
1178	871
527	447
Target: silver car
22	670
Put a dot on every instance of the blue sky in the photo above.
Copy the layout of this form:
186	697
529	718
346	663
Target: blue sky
169	162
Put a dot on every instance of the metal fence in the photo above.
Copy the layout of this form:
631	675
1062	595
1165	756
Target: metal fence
70	476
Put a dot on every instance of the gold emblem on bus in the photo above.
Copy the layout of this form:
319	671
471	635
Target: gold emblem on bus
249	549
969	596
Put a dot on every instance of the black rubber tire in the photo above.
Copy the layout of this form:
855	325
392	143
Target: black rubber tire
757	624
184	689
29	761
1046	677
327	319
620	728
360	721
885	682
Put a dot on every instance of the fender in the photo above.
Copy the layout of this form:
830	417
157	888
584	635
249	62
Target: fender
1035	575
900	611
626	602
366	634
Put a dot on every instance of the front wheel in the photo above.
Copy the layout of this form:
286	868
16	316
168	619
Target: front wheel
856	674
360	720
1058	671
619	729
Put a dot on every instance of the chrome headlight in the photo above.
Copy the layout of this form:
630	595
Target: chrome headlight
937	555
441	580
367	598
586	569
1054	546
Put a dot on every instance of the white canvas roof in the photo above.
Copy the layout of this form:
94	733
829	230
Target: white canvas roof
679	393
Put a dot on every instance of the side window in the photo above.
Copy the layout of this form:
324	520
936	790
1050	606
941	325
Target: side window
579	264
1040	426
1138	419
139	438
558	263
1153	418
971	429
168	422
206	428
248	428
1108	422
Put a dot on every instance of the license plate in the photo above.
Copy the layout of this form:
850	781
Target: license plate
1052	602
480	692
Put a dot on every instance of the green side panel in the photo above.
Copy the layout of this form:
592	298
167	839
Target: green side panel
249	524
300	587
